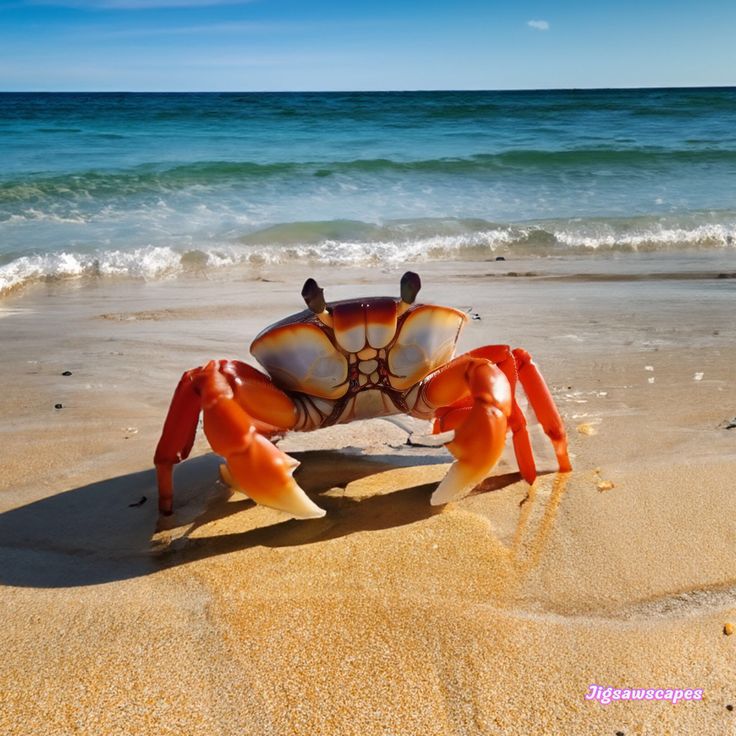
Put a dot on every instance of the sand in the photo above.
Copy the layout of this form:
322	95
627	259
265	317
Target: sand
492	615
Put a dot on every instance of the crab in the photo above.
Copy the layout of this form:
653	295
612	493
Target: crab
357	359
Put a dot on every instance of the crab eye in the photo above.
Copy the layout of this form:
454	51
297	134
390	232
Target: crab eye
410	285
314	296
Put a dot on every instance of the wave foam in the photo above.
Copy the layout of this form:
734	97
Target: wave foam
146	263
396	242
656	238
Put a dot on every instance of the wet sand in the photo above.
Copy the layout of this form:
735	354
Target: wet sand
492	615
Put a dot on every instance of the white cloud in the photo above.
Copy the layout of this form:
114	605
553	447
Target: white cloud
538	25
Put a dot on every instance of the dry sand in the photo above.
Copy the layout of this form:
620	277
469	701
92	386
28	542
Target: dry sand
492	615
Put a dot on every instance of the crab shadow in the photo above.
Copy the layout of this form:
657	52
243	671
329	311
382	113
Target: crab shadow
111	530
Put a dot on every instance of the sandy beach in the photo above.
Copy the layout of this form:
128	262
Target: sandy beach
491	615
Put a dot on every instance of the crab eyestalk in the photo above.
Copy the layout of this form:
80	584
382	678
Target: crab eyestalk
314	296
410	286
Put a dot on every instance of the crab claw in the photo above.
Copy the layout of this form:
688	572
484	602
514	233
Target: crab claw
256	465
253	464
264	474
480	430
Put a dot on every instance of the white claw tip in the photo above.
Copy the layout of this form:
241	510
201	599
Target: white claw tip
458	482
444	496
299	505
434	501
318	513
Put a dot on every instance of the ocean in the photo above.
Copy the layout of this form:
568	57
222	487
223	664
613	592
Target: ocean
153	185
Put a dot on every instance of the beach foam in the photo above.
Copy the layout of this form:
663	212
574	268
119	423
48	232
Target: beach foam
357	243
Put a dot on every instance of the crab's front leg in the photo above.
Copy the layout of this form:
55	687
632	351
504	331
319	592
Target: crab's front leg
480	429
240	406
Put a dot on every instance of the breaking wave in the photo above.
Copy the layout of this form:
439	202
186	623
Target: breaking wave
351	242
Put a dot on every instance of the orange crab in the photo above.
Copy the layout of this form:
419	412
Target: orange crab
356	359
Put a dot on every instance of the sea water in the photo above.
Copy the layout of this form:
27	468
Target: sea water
151	185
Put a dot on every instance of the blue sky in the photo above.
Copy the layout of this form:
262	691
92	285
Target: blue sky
357	44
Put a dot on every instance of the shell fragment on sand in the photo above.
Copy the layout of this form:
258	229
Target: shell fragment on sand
587	429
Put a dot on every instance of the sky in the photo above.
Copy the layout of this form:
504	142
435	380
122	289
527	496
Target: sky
254	45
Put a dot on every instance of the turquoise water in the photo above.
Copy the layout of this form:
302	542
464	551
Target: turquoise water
149	185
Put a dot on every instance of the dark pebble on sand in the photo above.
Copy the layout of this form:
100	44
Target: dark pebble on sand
66	373
58	406
620	733
500	258
729	707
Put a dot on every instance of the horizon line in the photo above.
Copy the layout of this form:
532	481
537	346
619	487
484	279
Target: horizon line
365	91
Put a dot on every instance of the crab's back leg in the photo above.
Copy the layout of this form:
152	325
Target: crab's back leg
543	405
224	391
177	436
480	433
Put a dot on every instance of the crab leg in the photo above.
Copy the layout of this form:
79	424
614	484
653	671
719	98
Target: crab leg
240	405
502	356
177	437
517	365
544	406
480	428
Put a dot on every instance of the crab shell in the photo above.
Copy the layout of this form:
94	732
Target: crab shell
312	353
